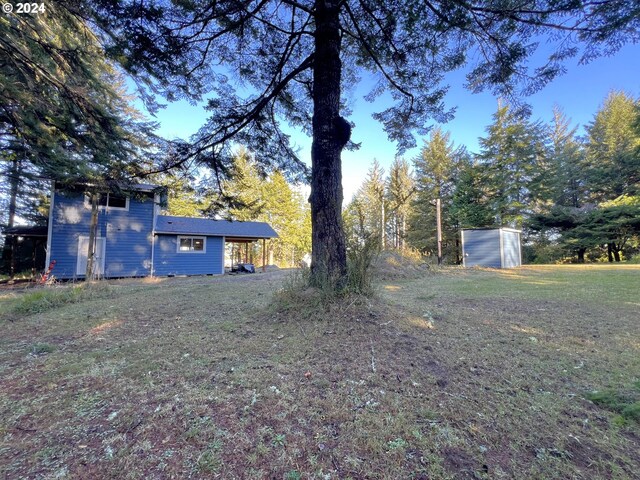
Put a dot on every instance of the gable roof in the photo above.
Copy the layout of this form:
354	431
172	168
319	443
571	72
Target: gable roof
205	226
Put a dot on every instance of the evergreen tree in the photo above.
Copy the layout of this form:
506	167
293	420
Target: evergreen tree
470	207
356	224
371	200
435	168
244	190
613	155
271	200
510	154
64	110
566	155
400	191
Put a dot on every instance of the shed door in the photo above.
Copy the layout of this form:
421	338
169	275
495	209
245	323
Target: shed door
83	249
511	249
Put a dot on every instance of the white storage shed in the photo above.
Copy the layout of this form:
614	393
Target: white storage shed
491	247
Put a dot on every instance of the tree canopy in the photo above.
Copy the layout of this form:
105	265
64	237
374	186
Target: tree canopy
63	107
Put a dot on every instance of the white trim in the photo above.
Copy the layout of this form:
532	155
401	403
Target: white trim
224	253
193	237
50	226
500	230
156	208
153	253
464	258
87	204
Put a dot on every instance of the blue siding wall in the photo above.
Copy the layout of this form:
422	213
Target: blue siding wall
482	248
167	261
127	233
511	249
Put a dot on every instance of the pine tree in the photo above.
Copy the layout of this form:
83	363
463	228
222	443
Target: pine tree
566	155
470	206
510	154
435	168
273	200
613	149
64	108
371	199
400	191
558	194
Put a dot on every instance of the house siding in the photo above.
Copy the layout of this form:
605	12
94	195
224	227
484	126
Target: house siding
168	261
127	233
482	248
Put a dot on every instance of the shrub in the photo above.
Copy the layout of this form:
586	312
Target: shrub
360	257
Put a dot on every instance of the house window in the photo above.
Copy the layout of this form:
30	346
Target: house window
191	245
113	201
110	200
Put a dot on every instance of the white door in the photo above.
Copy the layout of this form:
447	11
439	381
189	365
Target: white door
83	249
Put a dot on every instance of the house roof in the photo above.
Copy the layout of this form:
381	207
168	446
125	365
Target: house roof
206	226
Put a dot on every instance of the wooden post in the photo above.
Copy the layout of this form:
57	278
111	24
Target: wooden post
439	229
264	253
246	252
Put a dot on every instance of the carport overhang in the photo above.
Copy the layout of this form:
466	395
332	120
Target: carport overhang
246	241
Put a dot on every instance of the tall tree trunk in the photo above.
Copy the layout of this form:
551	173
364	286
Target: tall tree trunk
93	227
581	252
439	228
14	181
330	134
609	253
382	224
616	251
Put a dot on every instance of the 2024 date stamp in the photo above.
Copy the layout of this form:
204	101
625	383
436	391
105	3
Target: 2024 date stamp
24	8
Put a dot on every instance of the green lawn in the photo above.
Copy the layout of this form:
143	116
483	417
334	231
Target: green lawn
457	374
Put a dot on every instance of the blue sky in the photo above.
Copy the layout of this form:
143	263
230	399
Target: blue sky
579	93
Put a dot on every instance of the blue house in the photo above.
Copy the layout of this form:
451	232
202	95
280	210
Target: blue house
133	239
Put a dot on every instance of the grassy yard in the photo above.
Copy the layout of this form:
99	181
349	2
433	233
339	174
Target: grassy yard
458	374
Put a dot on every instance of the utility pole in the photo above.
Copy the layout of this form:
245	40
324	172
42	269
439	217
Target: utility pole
439	228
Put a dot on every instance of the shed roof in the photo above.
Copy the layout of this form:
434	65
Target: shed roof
506	229
206	226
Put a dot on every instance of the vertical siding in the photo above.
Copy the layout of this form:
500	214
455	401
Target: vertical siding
511	243
167	261
482	248
128	235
